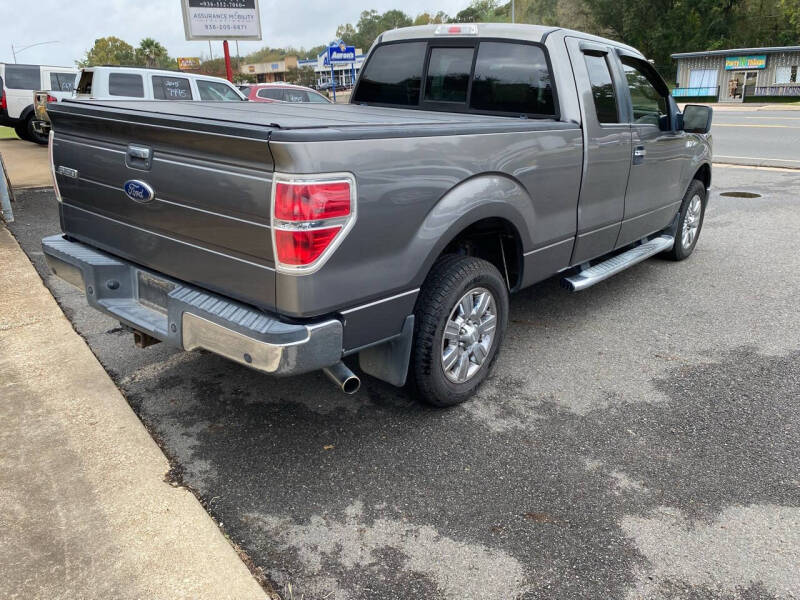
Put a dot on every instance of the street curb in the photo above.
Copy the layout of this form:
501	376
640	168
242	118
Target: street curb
88	512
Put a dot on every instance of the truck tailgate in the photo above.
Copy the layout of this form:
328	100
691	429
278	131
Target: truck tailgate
208	220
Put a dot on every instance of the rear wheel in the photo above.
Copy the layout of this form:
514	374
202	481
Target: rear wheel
33	135
21	129
690	221
460	318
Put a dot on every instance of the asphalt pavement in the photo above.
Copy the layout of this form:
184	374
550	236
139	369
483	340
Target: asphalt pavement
640	439
763	138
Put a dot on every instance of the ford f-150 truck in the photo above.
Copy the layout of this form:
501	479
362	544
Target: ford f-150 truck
472	161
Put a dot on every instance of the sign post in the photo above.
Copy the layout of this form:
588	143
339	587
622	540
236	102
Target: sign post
222	20
339	53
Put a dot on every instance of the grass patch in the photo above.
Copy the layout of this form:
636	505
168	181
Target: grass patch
7	133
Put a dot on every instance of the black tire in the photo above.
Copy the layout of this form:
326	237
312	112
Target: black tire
33	135
21	129
450	279
681	251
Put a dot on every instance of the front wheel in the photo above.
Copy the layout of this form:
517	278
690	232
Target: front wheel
460	319
690	221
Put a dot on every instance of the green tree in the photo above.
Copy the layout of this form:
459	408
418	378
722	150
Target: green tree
370	25
484	11
152	54
109	51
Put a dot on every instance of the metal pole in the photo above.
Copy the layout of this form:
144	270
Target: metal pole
228	70
210	55
5	195
512	11
14	53
333	81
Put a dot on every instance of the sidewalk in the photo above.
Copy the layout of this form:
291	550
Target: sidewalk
86	512
742	107
27	163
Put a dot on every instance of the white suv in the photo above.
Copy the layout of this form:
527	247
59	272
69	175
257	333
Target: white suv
17	85
131	83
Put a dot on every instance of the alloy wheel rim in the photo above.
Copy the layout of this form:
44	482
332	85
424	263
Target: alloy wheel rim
468	335
691	222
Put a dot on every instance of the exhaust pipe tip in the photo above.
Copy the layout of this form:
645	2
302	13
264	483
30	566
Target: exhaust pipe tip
343	377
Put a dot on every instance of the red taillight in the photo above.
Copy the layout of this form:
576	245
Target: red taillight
312	201
309	218
51	98
303	247
454	29
3	105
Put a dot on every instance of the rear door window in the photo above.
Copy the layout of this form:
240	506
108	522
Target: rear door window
171	88
291	95
125	84
447	79
605	100
23	77
512	78
216	91
62	82
271	94
393	75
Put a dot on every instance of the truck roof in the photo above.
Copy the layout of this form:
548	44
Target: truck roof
511	31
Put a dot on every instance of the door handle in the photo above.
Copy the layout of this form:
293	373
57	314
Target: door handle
138	157
638	155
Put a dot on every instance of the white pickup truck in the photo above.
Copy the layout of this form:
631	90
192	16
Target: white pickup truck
17	86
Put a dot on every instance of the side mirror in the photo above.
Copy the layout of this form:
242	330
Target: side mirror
696	118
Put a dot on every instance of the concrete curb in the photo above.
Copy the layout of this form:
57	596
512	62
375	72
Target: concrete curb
87	512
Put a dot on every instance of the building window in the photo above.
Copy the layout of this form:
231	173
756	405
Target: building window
702	82
785	75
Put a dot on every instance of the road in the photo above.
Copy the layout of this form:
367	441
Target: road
640	439
765	138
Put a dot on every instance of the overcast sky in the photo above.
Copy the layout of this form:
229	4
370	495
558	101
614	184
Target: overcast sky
77	23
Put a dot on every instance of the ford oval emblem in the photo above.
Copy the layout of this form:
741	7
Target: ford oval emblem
138	191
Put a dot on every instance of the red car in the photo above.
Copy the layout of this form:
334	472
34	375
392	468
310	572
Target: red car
282	92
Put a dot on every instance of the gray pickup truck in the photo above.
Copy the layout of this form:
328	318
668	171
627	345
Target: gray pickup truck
473	161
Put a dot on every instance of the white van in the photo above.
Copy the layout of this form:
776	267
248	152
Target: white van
138	83
17	85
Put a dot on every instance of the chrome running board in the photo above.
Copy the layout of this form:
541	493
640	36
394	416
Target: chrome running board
596	273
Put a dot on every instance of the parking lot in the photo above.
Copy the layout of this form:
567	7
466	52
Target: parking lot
639	439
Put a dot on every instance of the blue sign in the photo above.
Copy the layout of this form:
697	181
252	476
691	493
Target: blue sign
138	191
341	54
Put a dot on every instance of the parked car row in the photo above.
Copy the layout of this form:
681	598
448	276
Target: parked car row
26	90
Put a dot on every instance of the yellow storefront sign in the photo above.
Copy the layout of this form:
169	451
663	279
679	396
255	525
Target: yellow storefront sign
745	62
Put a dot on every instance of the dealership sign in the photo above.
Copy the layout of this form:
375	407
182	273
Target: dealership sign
339	53
745	62
221	19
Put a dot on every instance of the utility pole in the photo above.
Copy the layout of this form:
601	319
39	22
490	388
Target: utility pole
513	12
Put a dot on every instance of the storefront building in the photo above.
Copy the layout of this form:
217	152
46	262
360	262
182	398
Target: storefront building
344	73
269	72
739	75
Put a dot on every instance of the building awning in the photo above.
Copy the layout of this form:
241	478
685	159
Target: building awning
732	51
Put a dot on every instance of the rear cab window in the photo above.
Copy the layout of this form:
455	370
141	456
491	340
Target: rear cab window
171	88
126	84
485	76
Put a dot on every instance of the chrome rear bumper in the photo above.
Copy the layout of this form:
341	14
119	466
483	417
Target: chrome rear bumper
188	317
